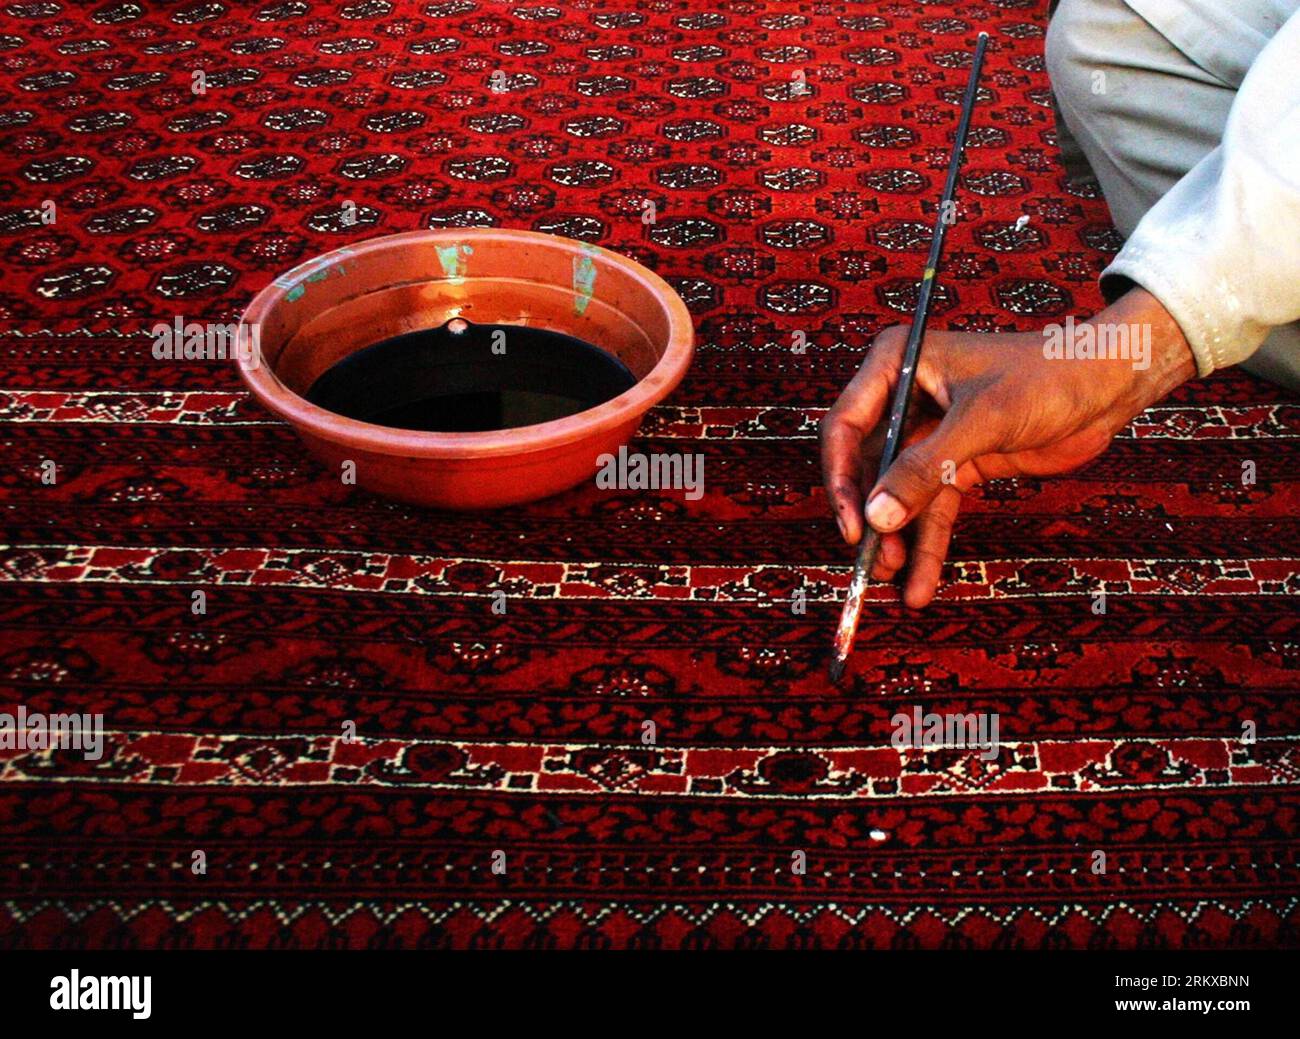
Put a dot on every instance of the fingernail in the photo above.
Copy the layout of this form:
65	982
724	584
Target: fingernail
839	522
885	512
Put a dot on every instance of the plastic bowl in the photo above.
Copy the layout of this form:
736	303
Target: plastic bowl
349	298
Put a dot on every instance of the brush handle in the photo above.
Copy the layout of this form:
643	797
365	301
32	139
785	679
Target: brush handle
902	399
907	374
868	549
912	352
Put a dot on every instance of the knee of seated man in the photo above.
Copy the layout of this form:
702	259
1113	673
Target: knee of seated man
1084	38
1075	46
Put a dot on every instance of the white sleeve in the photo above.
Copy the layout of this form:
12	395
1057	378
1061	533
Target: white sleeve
1221	250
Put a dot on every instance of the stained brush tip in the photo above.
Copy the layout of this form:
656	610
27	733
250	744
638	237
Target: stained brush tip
836	669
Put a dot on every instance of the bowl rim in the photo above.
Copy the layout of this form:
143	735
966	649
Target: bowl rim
312	420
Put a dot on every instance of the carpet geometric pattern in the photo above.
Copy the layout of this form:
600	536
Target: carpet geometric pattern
367	755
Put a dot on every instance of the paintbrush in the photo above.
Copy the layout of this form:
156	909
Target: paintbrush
902	399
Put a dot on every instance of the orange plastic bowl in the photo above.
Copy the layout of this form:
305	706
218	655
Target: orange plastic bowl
349	298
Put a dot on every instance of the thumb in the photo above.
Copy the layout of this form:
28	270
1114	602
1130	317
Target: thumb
922	470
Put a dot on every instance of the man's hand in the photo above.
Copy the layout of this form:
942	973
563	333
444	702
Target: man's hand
985	406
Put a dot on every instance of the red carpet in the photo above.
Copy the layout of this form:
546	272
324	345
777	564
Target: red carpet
522	734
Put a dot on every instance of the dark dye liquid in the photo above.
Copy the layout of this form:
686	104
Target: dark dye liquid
449	380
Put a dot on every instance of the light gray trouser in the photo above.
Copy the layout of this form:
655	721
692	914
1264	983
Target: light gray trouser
1161	112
